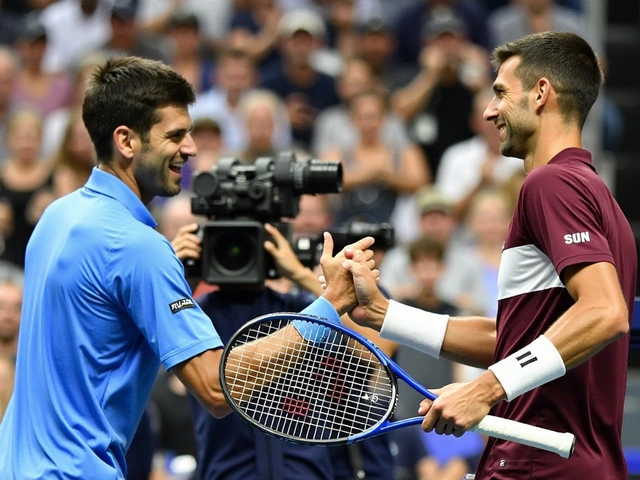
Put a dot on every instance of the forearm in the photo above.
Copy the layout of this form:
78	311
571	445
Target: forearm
470	340
201	375
583	330
598	317
408	101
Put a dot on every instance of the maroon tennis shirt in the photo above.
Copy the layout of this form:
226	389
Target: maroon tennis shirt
565	216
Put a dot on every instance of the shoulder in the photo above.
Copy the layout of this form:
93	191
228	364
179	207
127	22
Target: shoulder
549	180
135	247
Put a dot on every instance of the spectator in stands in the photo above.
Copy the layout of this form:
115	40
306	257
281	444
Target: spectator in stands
56	122
74	28
8	68
207	136
412	22
75	159
376	44
476	163
438	101
314	216
260	110
255	30
334	128
34	88
10	311
126	39
154	17
10	24
235	74
304	90
524	17
188	57
25	181
375	172
7	380
341	21
8	270
461	283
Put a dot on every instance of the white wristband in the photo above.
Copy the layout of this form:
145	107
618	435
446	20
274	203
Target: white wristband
415	328
534	365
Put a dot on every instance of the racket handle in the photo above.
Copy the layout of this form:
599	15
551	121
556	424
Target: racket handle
560	443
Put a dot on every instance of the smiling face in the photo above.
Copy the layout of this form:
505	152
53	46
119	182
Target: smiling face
160	160
510	112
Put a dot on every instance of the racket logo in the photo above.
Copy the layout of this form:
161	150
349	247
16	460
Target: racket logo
373	398
294	407
331	374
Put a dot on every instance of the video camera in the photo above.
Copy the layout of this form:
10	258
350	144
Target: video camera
238	199
309	249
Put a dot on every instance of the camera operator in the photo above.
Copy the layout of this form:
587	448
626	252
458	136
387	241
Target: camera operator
229	448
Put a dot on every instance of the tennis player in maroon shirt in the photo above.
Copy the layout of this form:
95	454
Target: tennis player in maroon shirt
557	352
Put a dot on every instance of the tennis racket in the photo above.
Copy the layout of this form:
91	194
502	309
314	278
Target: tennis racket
331	386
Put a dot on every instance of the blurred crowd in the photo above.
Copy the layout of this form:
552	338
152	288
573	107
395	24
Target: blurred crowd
393	89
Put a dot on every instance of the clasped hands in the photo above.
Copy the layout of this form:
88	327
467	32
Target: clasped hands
349	282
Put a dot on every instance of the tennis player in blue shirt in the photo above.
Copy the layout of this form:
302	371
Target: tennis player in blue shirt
105	297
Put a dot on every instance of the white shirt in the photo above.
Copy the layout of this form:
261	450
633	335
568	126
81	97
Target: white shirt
460	168
213	104
214	15
71	34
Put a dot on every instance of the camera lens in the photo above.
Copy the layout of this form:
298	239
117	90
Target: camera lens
316	176
234	251
205	184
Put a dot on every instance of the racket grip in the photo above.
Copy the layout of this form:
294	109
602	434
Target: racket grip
556	442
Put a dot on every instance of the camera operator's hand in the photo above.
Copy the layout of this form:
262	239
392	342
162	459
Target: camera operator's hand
339	289
287	262
186	243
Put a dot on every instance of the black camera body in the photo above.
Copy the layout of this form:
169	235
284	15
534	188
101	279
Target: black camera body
309	249
238	199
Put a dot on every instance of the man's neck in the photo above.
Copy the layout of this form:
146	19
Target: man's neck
552	138
9	347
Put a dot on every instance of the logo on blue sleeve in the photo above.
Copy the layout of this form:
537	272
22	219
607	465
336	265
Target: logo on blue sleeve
181	305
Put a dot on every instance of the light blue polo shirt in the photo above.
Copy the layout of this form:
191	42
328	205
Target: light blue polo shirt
105	303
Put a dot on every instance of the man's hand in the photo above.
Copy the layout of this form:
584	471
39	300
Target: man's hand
339	290
371	304
460	406
186	243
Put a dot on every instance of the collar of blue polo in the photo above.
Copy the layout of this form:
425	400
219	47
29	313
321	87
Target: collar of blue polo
109	185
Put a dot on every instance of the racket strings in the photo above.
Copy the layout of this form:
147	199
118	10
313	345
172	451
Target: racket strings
316	391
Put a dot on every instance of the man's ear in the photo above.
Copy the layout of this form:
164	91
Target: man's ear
125	141
543	92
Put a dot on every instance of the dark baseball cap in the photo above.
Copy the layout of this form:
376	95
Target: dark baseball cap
443	21
184	18
124	10
374	25
32	28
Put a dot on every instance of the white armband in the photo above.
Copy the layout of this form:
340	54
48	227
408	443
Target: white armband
415	328
534	365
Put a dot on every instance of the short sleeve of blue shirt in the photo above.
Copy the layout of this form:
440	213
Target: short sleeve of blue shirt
147	279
